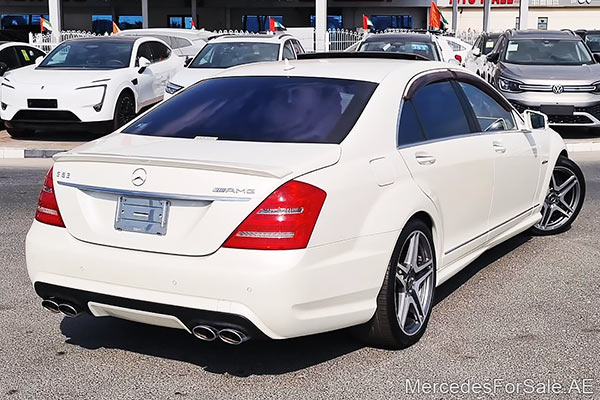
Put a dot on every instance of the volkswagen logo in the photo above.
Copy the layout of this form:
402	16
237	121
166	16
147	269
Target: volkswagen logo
138	178
558	89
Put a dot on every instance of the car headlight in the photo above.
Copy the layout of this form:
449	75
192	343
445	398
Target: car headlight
508	85
97	106
173	88
596	87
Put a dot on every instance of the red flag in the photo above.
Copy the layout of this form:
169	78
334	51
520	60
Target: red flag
435	17
367	23
193	24
271	25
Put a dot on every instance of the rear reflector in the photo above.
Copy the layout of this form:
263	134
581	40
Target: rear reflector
283	221
458	58
47	209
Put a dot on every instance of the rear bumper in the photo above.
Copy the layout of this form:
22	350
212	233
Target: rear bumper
282	294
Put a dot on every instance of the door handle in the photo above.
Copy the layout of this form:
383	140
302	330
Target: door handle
498	148
425	159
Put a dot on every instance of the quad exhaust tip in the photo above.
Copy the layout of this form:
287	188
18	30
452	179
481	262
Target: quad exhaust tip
205	332
227	335
51	306
68	310
232	336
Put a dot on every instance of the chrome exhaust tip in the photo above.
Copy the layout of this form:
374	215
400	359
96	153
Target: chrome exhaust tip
205	332
51	306
232	336
68	310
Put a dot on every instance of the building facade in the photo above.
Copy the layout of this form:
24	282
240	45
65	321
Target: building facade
543	14
98	15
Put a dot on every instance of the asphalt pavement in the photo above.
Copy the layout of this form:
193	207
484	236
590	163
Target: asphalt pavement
524	315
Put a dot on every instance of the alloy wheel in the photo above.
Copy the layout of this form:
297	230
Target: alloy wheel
126	111
414	283
561	201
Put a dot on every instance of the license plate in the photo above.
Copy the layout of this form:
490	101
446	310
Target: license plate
141	215
557	110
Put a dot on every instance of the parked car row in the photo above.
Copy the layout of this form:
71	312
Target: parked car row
555	72
99	84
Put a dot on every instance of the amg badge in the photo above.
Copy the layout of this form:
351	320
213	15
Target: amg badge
233	190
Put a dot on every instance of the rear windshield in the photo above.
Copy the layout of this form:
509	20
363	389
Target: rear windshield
225	55
260	109
395	45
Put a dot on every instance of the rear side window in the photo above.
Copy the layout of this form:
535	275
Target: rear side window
261	109
409	129
440	111
288	51
28	55
490	115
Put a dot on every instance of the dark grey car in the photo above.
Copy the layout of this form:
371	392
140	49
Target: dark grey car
549	71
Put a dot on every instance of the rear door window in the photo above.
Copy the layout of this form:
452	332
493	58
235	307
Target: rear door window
288	51
409	129
440	111
260	109
28	55
144	51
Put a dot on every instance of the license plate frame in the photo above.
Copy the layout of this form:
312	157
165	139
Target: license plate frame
555	109
142	215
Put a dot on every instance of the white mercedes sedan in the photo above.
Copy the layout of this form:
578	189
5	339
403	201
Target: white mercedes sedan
95	84
286	199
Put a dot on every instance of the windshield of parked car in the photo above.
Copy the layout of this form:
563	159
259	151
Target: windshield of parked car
225	55
260	109
547	52
86	54
399	45
489	45
593	42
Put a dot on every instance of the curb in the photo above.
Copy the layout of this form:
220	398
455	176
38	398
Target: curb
9	152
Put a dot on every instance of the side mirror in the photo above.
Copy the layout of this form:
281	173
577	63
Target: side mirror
535	120
3	68
143	63
476	51
493	57
188	61
39	60
597	57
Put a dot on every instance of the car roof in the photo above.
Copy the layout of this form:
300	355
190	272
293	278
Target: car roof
378	37
130	39
360	69
538	34
181	32
259	37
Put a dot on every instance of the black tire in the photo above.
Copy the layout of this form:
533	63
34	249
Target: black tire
384	329
569	201
124	110
20	133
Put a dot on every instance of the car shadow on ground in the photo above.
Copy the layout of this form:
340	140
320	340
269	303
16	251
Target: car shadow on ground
253	357
71	136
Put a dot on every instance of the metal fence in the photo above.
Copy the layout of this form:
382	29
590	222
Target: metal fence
341	39
48	41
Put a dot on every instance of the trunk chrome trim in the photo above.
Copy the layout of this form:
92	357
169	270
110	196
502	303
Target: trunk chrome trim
151	195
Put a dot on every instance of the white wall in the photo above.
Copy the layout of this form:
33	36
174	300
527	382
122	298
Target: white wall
505	18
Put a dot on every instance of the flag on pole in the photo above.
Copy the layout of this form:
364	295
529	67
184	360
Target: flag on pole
45	25
275	25
367	23
116	28
193	24
436	19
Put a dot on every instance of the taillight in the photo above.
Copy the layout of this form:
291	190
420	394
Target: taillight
458	58
283	221
47	208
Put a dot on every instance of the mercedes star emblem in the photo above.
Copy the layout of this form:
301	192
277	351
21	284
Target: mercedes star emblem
138	178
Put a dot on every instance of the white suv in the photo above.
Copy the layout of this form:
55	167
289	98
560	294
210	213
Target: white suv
230	50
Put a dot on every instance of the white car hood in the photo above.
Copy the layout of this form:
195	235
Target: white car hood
59	80
189	76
